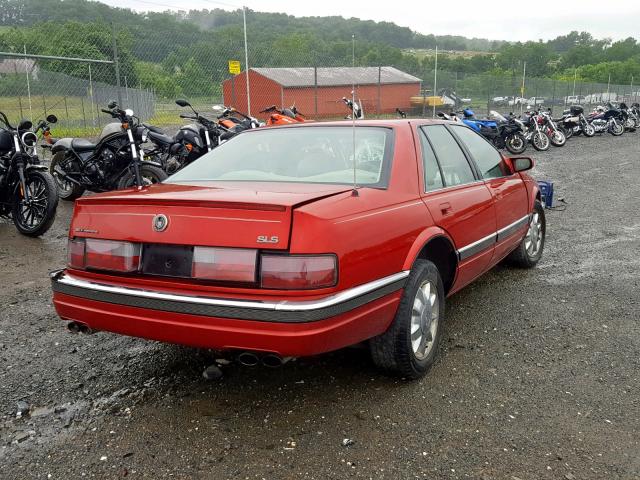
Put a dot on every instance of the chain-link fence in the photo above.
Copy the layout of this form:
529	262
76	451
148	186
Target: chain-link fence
74	70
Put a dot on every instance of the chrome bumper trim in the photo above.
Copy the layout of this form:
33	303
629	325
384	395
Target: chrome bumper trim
283	311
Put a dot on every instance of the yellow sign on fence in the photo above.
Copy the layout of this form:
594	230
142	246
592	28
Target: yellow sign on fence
234	67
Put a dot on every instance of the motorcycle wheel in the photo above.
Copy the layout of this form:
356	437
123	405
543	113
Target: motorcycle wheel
589	130
67	190
568	132
540	141
616	130
35	217
150	174
516	143
558	139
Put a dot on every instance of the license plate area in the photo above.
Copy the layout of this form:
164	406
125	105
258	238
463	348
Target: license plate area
167	260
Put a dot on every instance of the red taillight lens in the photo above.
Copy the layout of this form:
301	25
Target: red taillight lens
224	264
112	255
75	253
298	272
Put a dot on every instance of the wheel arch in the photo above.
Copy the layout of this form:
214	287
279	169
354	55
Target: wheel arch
436	246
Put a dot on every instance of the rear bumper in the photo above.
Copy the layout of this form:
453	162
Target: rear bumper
292	328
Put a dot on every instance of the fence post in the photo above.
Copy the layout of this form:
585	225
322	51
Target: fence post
379	89
20	105
116	63
66	107
315	90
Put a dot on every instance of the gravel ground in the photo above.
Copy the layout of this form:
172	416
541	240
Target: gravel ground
538	377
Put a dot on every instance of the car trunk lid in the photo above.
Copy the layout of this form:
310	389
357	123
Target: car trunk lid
233	214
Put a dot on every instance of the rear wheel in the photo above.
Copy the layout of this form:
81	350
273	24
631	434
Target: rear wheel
557	138
34	216
410	345
516	143
67	190
540	141
529	251
149	173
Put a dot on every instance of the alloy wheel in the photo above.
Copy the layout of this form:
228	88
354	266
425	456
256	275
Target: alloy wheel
533	238
424	319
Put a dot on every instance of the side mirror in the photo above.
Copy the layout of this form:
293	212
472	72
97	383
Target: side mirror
52	118
182	103
521	164
112	104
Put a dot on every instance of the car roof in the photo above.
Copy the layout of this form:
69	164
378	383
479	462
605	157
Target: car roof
393	123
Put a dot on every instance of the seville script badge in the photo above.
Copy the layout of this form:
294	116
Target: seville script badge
160	223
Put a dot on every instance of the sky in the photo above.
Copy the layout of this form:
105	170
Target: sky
495	20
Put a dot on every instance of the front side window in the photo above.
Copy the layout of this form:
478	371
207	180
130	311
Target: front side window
454	165
298	154
489	161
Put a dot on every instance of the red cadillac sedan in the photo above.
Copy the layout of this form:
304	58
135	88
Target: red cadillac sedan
299	240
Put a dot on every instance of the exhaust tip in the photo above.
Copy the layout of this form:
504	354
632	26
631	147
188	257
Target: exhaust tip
248	359
73	327
272	360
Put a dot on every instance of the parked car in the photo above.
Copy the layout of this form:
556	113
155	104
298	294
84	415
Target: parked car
273	250
516	101
533	101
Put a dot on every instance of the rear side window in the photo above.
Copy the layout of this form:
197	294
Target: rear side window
432	175
454	165
487	158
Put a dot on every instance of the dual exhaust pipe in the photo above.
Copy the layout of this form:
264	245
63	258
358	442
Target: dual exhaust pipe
271	360
79	327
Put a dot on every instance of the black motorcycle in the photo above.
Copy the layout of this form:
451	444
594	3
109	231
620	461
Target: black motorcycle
191	142
573	122
115	162
508	135
28	193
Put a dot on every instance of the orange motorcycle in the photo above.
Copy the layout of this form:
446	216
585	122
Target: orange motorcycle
284	116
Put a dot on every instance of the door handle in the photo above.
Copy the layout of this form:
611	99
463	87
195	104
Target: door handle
445	208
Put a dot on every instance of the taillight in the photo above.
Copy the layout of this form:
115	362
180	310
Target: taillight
75	253
104	254
298	272
224	264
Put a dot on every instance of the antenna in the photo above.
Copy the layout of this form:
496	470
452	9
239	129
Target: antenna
354	192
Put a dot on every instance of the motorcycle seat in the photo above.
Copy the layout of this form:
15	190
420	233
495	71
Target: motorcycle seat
151	128
161	138
82	145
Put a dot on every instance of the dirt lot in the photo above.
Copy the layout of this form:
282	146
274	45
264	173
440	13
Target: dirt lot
538	378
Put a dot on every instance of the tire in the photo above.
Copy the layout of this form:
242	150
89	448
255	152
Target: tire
67	190
616	130
36	218
529	250
588	130
558	139
394	351
516	143
150	174
540	141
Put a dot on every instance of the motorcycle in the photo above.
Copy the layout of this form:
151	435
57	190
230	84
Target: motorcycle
285	116
573	122
510	134
630	121
556	136
28	193
607	120
191	142
634	112
115	162
532	123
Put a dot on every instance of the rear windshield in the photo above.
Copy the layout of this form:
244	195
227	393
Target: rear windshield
300	154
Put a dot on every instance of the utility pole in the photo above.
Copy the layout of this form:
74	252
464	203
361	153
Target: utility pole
116	63
435	84
246	59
